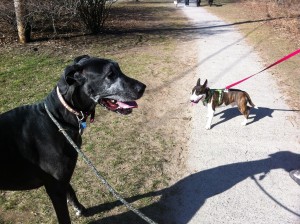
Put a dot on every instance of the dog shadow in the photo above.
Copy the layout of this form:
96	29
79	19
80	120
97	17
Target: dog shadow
179	202
256	114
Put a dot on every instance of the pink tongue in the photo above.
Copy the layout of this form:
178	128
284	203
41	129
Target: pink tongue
126	105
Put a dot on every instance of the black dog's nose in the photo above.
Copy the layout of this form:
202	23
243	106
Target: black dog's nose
140	88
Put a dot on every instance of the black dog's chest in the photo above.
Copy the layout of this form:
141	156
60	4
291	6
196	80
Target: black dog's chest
40	145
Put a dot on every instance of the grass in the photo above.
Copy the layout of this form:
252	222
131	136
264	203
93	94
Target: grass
132	152
20	72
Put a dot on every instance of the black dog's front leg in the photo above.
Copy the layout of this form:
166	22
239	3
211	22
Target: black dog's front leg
58	196
72	199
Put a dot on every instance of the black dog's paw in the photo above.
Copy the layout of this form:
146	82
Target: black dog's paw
80	210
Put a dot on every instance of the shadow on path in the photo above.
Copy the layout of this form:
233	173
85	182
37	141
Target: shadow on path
255	114
179	202
201	31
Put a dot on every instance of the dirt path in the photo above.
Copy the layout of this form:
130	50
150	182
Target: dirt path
237	174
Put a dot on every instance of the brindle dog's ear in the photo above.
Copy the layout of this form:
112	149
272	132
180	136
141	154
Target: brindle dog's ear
198	82
205	83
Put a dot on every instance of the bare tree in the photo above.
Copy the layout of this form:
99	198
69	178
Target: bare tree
94	13
22	26
52	18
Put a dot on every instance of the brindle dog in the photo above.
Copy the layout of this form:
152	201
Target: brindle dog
216	97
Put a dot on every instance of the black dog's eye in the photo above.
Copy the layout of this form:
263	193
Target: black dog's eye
111	76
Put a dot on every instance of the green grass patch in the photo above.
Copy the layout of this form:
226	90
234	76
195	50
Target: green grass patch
130	151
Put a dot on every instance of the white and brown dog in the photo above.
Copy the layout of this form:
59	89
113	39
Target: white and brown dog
216	97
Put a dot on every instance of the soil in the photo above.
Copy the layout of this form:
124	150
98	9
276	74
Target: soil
236	174
214	173
156	133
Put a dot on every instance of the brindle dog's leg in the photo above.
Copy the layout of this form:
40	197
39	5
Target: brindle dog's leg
244	109
210	115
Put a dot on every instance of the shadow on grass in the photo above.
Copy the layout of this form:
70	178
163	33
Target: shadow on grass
146	14
179	202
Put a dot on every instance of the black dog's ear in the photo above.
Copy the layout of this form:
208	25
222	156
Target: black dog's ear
79	58
73	73
205	83
198	82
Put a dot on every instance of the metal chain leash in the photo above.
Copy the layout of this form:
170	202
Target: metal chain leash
102	179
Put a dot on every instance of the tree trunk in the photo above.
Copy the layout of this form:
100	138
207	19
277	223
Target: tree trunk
22	26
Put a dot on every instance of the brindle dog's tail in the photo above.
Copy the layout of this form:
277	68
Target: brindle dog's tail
249	100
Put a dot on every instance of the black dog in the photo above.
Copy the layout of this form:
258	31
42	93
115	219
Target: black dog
35	153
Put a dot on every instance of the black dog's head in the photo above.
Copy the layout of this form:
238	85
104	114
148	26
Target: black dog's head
199	92
96	80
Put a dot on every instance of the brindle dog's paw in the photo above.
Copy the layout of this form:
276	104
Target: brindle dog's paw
244	123
207	127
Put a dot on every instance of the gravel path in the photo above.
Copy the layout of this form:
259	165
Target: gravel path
237	174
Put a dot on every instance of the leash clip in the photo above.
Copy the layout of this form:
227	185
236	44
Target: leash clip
82	116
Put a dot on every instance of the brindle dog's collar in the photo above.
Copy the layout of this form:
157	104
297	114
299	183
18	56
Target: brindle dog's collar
64	103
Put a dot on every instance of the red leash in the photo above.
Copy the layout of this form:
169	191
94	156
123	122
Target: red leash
275	63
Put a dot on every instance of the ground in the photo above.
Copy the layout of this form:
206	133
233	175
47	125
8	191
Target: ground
143	155
235	173
149	151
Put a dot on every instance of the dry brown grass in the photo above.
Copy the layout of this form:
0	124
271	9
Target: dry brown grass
285	13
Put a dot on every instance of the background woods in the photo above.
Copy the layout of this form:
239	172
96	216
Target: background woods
46	19
33	19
